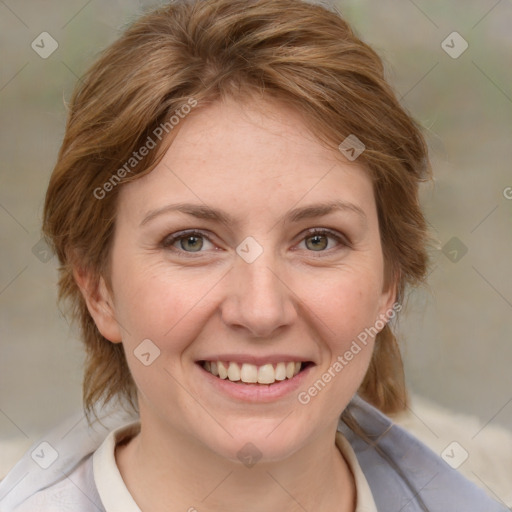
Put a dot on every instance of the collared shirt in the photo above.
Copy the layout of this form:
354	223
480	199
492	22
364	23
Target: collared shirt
58	473
115	496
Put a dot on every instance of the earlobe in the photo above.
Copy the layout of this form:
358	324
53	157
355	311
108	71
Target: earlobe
99	303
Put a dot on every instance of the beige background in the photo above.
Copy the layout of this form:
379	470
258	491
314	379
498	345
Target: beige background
457	335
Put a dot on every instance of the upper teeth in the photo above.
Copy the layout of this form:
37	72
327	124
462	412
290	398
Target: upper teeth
251	373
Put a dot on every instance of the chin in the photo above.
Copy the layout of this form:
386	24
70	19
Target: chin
263	441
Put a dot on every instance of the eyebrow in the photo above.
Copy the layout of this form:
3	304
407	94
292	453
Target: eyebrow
295	215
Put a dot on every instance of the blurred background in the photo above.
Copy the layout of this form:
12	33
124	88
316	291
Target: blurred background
450	63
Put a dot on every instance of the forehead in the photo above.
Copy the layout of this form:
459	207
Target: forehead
266	135
248	156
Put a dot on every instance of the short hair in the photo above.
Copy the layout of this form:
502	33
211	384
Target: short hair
299	53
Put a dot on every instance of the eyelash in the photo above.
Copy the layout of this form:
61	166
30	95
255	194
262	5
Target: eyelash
168	241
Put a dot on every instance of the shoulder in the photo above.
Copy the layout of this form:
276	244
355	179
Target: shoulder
75	492
57	472
403	473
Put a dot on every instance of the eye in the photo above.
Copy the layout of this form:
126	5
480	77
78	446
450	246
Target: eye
321	240
187	241
193	241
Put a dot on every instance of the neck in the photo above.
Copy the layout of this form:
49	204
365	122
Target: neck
168	471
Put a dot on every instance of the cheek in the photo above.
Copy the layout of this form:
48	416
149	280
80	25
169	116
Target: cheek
345	303
161	305
166	310
345	310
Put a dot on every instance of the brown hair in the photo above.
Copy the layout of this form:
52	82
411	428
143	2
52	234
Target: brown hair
301	54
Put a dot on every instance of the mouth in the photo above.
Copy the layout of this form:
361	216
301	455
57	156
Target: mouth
250	374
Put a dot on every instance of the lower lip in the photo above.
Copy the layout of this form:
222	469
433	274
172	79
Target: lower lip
256	393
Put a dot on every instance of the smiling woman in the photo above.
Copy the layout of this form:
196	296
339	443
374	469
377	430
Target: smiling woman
235	286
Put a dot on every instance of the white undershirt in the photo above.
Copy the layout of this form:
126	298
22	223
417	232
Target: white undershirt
116	497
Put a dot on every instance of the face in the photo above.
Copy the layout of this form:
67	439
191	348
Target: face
253	245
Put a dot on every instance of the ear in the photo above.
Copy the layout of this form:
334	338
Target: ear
99	303
388	306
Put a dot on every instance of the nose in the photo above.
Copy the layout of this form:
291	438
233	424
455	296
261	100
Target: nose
258	298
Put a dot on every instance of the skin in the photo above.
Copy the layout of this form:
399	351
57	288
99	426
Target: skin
256	162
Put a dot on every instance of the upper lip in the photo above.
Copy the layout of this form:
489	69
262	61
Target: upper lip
256	360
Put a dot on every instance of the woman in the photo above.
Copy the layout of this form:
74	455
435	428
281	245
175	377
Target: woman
236	214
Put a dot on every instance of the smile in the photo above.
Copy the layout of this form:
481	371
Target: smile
247	373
